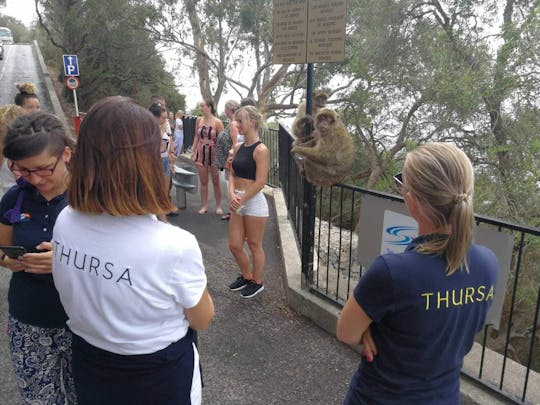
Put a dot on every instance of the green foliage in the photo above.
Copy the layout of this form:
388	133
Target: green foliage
19	31
116	55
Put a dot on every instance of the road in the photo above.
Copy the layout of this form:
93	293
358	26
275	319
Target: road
19	65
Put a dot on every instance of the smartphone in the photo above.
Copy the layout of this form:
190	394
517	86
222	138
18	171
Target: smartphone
13	252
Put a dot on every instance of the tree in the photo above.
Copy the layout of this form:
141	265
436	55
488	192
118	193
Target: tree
229	44
115	54
18	30
431	71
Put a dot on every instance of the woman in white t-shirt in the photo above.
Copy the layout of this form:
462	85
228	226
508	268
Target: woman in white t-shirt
134	288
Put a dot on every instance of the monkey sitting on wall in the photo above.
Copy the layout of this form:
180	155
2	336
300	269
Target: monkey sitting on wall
328	157
301	120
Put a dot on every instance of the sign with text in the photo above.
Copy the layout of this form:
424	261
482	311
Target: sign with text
307	31
290	27
326	30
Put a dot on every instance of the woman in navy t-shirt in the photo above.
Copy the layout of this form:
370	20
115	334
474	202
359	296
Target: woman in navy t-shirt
38	149
417	312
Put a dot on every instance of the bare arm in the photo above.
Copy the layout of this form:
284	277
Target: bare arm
233	131
352	322
219	126
200	315
195	138
232	196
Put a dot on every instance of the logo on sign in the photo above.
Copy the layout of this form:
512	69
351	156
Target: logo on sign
398	231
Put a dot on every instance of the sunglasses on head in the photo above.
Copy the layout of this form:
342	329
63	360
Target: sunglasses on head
398	178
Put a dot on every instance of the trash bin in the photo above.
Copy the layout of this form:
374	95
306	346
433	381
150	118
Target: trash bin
184	180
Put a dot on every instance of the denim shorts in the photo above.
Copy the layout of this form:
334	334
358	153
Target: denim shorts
166	166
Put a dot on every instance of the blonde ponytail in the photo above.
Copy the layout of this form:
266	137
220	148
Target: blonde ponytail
441	176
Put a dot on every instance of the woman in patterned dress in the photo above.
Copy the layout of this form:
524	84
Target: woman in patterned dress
203	153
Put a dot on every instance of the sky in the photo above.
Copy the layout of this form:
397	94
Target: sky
23	10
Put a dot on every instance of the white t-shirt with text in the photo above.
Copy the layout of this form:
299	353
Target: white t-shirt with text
125	281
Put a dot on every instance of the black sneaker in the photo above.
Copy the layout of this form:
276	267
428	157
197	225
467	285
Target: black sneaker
238	284
252	289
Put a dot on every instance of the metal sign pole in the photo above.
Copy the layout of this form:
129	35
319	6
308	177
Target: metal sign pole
76	105
309	197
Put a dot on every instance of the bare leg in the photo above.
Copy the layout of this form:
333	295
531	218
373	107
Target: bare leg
254	227
203	178
217	188
236	244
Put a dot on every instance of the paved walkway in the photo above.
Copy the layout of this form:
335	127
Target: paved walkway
257	351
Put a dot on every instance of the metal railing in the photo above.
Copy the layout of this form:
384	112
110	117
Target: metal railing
331	267
324	220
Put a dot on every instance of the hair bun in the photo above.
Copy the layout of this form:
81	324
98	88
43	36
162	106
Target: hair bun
27	87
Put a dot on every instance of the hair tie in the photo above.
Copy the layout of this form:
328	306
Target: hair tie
458	199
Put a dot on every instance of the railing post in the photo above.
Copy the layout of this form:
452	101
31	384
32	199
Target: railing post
308	232
308	201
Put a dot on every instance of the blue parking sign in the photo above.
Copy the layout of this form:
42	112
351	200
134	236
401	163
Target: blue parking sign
71	65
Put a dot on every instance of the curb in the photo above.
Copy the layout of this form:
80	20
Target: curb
57	107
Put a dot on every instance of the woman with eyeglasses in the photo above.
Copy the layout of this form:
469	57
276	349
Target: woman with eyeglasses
38	148
417	312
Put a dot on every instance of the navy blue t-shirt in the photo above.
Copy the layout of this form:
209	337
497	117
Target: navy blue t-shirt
424	323
32	298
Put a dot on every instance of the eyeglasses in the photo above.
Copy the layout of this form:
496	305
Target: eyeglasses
398	178
39	172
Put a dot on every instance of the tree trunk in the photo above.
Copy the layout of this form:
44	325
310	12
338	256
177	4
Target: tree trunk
199	43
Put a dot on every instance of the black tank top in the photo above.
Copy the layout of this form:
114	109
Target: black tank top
243	163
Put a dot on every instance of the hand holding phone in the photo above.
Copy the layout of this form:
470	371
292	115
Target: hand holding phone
13	252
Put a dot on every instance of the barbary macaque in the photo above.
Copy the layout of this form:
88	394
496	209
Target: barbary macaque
327	158
301	120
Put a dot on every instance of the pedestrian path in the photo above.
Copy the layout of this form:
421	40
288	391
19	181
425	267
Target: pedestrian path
258	351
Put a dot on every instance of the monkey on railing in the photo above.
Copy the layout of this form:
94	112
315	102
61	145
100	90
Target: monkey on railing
326	158
319	101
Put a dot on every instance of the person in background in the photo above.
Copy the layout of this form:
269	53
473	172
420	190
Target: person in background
170	117
179	133
167	147
38	148
27	97
249	209
8	113
203	153
417	312
225	141
134	288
